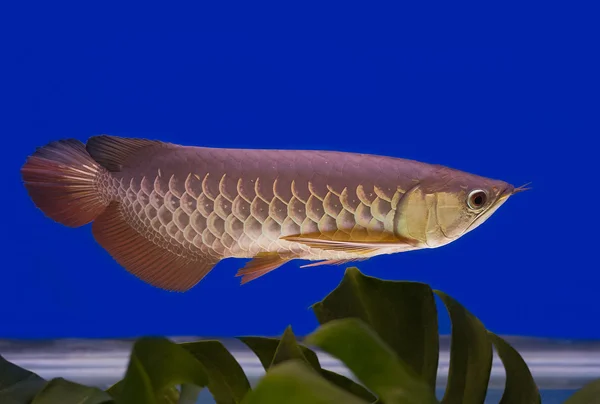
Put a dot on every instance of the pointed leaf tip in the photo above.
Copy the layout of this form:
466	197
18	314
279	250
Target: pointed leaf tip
520	386
288	349
273	352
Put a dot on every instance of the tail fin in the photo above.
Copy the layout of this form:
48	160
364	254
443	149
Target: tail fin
62	179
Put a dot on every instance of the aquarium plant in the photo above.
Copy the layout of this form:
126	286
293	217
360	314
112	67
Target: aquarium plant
385	332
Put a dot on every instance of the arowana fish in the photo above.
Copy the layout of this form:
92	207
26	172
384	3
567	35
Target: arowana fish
169	213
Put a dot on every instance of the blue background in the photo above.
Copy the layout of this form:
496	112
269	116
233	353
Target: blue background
504	91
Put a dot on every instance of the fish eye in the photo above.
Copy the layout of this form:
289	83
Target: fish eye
477	199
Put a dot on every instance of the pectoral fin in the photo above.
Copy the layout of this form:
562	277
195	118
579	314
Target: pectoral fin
365	247
332	262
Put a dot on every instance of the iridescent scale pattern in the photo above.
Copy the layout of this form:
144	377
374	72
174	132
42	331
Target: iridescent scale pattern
242	213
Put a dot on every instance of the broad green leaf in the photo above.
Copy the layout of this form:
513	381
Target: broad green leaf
520	386
157	365
372	361
18	385
61	391
294	382
471	356
271	351
403	314
227	380
588	394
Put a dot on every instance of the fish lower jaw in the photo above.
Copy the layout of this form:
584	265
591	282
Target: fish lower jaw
437	243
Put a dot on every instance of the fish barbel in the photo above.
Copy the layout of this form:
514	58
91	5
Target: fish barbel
169	213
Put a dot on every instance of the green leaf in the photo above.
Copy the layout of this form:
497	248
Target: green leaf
189	394
288	348
348	385
588	394
263	347
372	361
157	365
18	385
271	351
294	382
61	391
520	386
471	356
227	380
115	389
403	314
170	395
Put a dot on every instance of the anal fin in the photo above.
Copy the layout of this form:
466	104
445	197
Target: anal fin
167	267
260	265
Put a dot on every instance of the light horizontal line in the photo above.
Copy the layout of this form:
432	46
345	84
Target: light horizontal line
103	362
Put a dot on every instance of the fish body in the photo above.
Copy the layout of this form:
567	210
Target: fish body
169	213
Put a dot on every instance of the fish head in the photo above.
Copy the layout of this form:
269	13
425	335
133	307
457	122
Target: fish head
447	205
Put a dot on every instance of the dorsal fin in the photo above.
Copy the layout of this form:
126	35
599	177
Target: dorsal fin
113	152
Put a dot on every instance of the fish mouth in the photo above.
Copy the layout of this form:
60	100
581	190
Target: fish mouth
522	188
507	193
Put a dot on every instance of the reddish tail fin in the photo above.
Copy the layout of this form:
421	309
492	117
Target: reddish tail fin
62	179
